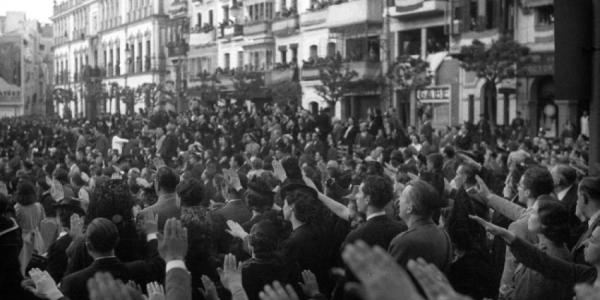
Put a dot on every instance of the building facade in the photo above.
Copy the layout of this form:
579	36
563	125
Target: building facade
25	68
120	43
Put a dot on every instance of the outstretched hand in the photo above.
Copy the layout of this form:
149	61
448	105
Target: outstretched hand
236	230
432	281
173	243
278	292
310	286
278	170
494	229
104	287
231	273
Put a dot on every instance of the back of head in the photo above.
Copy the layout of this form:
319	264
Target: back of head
554	218
539	181
167	180
111	200
191	193
564	175
101	235
258	195
307	208
424	198
292	168
379	189
436	160
589	187
263	237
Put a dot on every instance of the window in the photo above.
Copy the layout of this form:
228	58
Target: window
437	41
330	49
545	15
283	52
227	61
409	42
240	59
313	51
269	58
210	17
225	14
199	17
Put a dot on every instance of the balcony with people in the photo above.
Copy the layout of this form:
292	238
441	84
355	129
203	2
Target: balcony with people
202	35
286	22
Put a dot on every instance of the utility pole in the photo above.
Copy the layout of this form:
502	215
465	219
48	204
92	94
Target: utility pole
594	157
388	88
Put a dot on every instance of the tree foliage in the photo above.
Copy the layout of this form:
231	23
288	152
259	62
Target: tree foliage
286	92
336	80
503	59
209	88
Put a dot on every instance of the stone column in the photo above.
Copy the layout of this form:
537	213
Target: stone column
567	112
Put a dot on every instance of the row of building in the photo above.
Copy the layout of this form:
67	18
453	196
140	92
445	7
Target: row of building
176	42
25	66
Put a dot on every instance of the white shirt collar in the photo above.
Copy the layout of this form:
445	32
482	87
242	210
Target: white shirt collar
562	193
593	218
377	214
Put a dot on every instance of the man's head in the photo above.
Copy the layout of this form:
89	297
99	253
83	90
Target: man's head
418	200
536	181
166	180
564	176
101	237
375	191
236	161
588	196
591	252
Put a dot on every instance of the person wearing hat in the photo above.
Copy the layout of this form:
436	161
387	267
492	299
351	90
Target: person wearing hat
57	251
29	215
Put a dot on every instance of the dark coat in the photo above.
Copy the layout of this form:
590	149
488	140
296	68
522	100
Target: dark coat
57	257
74	285
235	210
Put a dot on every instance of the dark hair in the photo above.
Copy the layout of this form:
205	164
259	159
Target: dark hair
449	151
566	175
61	175
291	167
263	237
64	216
102	235
539	181
258	195
5	205
424	198
437	160
554	218
239	159
109	199
191	193
374	168
167	179
379	189
307	208
591	187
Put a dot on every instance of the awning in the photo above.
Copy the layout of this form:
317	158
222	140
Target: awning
535	3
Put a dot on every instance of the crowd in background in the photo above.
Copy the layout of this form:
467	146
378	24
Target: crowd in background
275	202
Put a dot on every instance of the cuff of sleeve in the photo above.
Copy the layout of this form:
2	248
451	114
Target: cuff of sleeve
151	236
176	264
55	295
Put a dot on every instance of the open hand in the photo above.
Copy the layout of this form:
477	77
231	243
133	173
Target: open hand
278	292
432	281
231	273
210	290
173	243
236	230
279	170
494	229
310	286
76	226
156	291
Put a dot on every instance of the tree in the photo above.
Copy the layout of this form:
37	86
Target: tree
247	85
94	91
410	73
209	88
63	96
503	59
336	79
286	92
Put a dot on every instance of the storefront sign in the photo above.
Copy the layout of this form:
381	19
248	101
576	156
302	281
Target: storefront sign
540	64
434	94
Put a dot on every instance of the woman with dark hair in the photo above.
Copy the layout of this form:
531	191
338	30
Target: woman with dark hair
266	265
110	200
29	214
549	220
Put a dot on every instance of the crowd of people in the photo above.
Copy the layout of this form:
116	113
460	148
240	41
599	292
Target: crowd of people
272	203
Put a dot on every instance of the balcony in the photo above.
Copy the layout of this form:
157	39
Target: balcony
257	27
178	48
310	72
366	69
178	7
281	74
198	38
285	26
411	8
354	12
314	17
230	31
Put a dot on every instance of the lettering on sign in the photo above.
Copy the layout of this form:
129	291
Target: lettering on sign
434	94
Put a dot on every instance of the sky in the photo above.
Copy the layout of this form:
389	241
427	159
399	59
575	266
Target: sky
40	10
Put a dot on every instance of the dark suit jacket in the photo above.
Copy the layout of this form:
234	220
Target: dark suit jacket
577	228
57	257
378	231
235	210
257	272
424	240
577	251
74	286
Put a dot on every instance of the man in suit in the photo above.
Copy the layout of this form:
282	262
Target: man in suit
101	238
166	206
424	239
235	208
102	143
566	192
349	135
588	207
57	252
